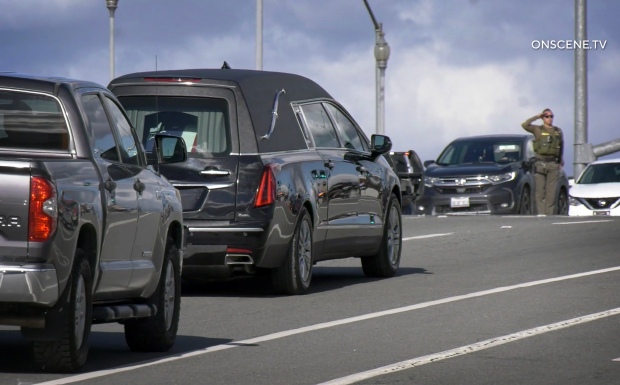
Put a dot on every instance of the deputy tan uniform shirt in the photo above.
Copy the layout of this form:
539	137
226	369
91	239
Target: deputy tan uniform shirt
548	143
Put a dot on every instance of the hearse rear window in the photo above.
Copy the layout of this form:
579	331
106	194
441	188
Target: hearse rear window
203	123
32	122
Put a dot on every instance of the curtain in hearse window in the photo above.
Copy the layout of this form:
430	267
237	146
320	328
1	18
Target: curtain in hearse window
202	122
320	126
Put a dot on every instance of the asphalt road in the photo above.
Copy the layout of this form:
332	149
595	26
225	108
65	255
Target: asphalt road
478	300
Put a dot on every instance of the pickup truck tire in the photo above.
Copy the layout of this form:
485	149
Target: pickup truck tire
385	263
69	353
295	275
159	332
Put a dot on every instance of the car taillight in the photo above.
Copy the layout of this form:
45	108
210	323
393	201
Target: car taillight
266	193
43	211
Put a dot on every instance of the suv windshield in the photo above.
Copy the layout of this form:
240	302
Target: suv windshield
601	173
480	152
202	122
32	121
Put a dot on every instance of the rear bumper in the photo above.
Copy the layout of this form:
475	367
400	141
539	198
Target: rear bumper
28	283
261	244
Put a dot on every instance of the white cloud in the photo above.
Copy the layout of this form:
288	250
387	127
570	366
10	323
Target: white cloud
20	14
421	12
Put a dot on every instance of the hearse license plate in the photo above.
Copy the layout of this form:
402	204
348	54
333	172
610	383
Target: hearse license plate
459	202
601	213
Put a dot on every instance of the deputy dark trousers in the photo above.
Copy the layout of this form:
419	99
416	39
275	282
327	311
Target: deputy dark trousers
546	183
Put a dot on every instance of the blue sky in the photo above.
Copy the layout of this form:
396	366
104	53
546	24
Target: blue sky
457	67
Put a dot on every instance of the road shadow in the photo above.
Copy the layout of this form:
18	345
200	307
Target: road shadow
107	350
324	278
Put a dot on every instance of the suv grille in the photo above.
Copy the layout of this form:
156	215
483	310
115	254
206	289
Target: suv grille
463	185
461	190
601	203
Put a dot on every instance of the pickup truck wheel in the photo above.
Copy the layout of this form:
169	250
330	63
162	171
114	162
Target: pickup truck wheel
159	332
295	275
69	353
385	263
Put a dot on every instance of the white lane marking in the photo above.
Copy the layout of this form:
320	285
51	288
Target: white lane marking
426	236
324	325
412	363
578	222
616	359
506	227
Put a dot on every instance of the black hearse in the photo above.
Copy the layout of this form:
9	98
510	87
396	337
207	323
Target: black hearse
279	175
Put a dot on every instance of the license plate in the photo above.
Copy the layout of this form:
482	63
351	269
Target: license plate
601	213
459	202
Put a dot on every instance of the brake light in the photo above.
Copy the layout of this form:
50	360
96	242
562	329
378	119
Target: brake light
172	80
237	250
266	193
43	211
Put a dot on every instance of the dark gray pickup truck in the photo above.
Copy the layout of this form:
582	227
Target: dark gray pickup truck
90	232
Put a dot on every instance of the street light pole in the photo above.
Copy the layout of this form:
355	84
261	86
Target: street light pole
259	34
582	149
112	5
382	54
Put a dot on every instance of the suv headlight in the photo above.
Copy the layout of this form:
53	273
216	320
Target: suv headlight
501	178
430	181
574	201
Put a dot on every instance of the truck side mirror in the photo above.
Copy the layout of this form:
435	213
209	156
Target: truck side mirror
167	149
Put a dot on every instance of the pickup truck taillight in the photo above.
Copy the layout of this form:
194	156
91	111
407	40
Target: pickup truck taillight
266	193
43	210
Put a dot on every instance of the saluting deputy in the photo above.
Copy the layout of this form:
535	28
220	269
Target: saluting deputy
549	149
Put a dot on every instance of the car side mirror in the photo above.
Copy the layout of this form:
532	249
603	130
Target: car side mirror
530	162
428	163
380	144
167	149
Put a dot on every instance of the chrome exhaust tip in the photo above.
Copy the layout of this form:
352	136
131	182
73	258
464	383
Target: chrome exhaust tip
238	259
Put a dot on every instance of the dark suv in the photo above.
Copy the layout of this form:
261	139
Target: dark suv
279	175
409	168
486	175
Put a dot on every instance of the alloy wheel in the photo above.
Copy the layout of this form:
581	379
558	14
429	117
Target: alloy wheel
79	315
393	236
304	251
169	294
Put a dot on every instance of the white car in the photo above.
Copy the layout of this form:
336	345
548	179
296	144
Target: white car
597	190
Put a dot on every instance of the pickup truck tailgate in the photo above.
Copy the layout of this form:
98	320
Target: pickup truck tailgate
14	199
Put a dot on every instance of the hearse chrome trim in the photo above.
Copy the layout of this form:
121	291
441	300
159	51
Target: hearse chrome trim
225	229
274	114
210	186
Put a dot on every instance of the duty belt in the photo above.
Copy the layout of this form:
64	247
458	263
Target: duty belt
546	158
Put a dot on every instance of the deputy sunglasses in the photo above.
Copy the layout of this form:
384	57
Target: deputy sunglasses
547	116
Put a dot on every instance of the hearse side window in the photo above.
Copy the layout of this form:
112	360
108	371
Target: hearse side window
32	121
129	149
320	126
105	145
202	122
346	129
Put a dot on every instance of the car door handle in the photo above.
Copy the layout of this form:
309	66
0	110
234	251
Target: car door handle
139	186
329	164
109	185
214	172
